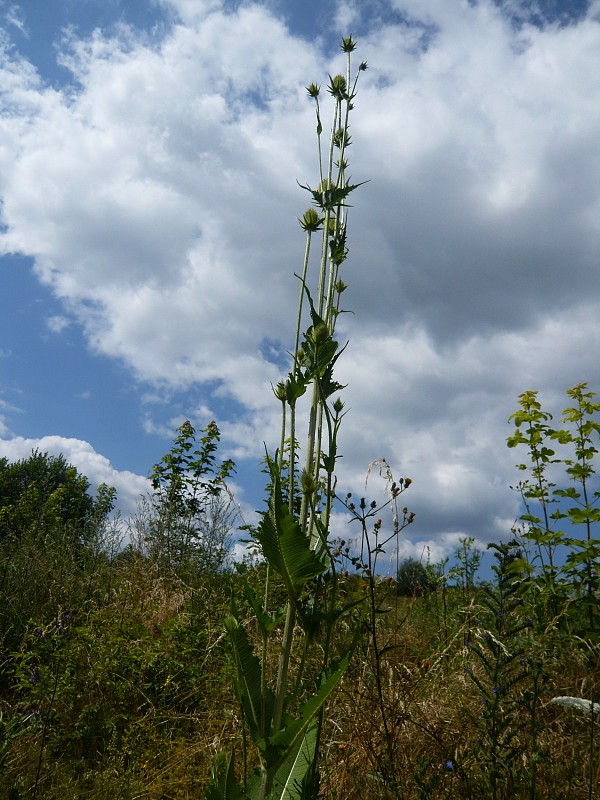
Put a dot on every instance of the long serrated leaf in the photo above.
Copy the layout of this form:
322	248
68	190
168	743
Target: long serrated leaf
277	748
285	547
266	622
248	684
291	779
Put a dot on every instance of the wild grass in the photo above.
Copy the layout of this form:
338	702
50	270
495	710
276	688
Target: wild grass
143	703
117	666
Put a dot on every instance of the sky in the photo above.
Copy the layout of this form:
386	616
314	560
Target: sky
150	160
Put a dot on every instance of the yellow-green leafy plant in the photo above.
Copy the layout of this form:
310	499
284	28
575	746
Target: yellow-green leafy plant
554	513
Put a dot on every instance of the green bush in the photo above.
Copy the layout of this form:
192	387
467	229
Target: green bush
412	578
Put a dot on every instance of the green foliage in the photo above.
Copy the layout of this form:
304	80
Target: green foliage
133	692
499	653
284	546
111	682
44	495
555	513
412	578
223	785
188	524
53	536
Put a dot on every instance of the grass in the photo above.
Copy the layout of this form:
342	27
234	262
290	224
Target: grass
143	703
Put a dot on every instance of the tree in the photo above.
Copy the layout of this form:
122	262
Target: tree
412	577
45	493
189	519
51	539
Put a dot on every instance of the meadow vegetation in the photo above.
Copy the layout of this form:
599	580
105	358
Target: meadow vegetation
137	660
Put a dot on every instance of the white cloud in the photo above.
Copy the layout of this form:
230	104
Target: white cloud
6	408
158	200
13	15
57	323
96	467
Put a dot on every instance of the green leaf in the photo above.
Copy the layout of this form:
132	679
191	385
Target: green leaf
331	197
294	388
248	684
276	749
570	491
581	516
293	778
223	785
283	544
266	622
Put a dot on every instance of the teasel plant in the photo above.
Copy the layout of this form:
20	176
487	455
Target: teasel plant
504	673
314	633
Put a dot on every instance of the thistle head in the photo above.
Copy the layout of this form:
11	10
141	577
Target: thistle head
307	483
338	87
279	391
341	138
348	44
320	333
311	221
338	406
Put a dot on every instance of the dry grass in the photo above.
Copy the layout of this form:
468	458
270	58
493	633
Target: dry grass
154	657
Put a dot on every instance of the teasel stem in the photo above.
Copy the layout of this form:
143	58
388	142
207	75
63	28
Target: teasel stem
319	139
325	185
313	441
291	481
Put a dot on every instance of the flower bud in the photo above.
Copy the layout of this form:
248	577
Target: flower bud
279	391
307	483
320	333
310	221
337	87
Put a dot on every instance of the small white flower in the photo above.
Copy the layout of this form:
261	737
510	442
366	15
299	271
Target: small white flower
577	703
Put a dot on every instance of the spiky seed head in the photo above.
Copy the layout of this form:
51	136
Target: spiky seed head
279	391
320	333
307	483
311	221
313	90
348	44
337	87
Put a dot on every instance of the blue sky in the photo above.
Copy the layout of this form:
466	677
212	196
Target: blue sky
149	159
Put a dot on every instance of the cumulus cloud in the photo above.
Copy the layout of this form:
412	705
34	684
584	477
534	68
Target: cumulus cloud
157	197
97	468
